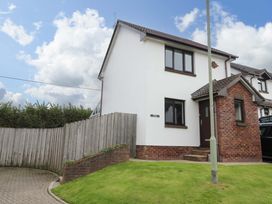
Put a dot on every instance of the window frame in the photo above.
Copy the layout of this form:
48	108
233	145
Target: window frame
183	52
173	124
262	88
263	111
240	101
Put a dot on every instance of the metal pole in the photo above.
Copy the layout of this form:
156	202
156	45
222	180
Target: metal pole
213	148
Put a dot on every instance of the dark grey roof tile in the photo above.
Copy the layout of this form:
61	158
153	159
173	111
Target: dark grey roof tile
249	70
217	86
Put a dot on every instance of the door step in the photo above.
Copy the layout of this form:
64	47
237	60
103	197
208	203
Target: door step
199	154
204	152
192	157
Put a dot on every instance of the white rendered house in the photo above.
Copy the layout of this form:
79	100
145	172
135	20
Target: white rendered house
159	77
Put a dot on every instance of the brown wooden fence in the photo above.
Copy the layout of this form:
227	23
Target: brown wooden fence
50	148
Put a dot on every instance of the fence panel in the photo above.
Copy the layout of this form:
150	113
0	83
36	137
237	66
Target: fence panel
50	148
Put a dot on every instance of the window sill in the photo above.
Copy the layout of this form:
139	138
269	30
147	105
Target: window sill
241	124
179	72
266	92
176	126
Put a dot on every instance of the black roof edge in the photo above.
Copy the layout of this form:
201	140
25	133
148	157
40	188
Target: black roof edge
200	46
108	50
214	51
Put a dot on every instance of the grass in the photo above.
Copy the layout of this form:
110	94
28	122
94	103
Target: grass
168	182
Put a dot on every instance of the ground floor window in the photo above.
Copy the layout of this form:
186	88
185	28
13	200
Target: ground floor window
239	110
174	112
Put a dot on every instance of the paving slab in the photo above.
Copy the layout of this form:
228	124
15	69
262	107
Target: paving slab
25	186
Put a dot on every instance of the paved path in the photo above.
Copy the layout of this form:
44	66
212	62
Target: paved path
25	186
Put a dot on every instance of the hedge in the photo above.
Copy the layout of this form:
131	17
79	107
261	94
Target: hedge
44	115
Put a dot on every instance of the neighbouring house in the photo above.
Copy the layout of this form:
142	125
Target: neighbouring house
261	80
163	79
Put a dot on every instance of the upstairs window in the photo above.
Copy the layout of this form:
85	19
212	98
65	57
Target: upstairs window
262	85
178	60
174	112
169	58
239	110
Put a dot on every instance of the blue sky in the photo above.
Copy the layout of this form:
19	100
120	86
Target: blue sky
246	20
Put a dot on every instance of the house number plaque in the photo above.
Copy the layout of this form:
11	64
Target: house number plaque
154	115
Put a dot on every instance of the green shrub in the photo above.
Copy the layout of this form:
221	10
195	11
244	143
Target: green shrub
69	162
110	149
40	115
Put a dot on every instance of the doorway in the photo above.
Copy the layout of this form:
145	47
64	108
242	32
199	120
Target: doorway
204	122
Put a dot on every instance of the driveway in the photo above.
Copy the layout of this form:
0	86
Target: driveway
28	186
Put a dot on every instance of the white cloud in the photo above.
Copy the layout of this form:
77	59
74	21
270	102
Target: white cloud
8	96
2	91
73	58
61	95
15	98
183	22
252	44
4	12
16	32
37	25
11	7
200	36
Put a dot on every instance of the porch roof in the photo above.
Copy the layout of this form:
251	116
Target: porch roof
220	88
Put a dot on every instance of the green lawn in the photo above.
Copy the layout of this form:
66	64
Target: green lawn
169	182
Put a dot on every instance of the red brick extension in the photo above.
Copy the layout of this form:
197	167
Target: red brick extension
237	143
96	162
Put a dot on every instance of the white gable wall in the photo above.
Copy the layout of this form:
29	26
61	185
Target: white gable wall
124	86
135	81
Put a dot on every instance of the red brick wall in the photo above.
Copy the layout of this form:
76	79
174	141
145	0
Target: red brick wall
238	143
161	152
93	163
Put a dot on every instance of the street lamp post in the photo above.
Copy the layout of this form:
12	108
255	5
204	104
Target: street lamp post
213	145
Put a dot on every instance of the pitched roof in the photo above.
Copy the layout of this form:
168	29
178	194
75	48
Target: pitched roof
220	86
217	86
249	70
165	36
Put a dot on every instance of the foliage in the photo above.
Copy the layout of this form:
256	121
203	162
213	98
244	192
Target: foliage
40	115
110	149
69	162
168	182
